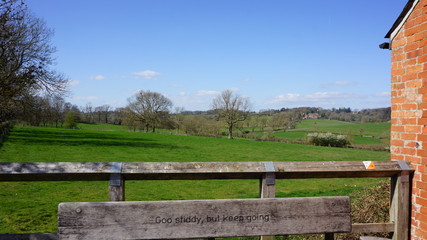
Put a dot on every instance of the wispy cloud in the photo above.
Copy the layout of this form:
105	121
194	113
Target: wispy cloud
73	83
320	99
98	77
383	94
339	83
147	74
200	100
207	93
234	89
246	80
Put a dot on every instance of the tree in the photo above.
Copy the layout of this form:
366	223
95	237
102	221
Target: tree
179	117
149	108
232	108
25	56
88	113
71	119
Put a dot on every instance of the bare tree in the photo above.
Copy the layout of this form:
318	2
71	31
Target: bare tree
149	108
105	111
179	117
25	55
232	108
88	113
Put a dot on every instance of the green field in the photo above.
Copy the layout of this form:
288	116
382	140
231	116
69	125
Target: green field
32	206
359	133
369	129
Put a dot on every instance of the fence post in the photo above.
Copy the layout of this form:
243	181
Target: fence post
268	187
329	236
401	202
117	183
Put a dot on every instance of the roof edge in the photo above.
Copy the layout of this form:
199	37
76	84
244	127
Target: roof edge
409	7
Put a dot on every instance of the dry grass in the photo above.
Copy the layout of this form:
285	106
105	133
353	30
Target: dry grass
370	205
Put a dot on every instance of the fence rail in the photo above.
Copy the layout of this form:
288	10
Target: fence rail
118	172
99	171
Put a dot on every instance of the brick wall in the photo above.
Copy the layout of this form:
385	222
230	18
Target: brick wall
409	109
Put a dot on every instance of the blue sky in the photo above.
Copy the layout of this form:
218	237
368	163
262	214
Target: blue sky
279	53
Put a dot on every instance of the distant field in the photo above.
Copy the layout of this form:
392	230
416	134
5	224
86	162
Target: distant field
370	129
360	133
32	206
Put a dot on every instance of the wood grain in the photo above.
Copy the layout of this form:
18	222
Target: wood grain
203	218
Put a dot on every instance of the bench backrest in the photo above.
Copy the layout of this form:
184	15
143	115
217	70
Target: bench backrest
203	218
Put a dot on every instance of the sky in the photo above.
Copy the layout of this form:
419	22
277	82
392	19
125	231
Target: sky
277	53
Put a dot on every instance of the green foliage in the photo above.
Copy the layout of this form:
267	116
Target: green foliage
328	140
71	120
4	130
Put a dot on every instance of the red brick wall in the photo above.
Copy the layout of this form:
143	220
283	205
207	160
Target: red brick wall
409	109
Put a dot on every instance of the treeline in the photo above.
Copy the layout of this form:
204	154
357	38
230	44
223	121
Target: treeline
56	112
46	111
340	114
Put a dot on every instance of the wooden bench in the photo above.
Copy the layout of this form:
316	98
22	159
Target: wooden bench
204	218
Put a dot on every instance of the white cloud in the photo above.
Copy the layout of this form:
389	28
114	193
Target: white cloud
147	74
344	83
73	83
287	97
339	83
98	77
318	99
328	95
207	93
200	100
246	80
383	94
234	89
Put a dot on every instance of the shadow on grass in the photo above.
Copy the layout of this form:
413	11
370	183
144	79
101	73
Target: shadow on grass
77	138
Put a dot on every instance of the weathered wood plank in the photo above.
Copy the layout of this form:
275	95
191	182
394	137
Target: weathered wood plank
373	238
30	236
193	170
372	227
116	188
331	169
203	218
56	171
401	207
72	171
268	189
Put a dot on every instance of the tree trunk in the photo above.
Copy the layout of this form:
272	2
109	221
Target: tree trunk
230	131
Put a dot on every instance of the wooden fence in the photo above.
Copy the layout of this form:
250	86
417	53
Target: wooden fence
117	173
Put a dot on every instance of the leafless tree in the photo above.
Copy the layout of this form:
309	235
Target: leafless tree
88	113
179	117
232	108
149	108
25	55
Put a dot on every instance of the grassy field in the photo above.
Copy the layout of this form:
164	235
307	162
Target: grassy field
360	133
369	129
32	206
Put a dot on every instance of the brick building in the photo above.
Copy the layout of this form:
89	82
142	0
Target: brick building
408	45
